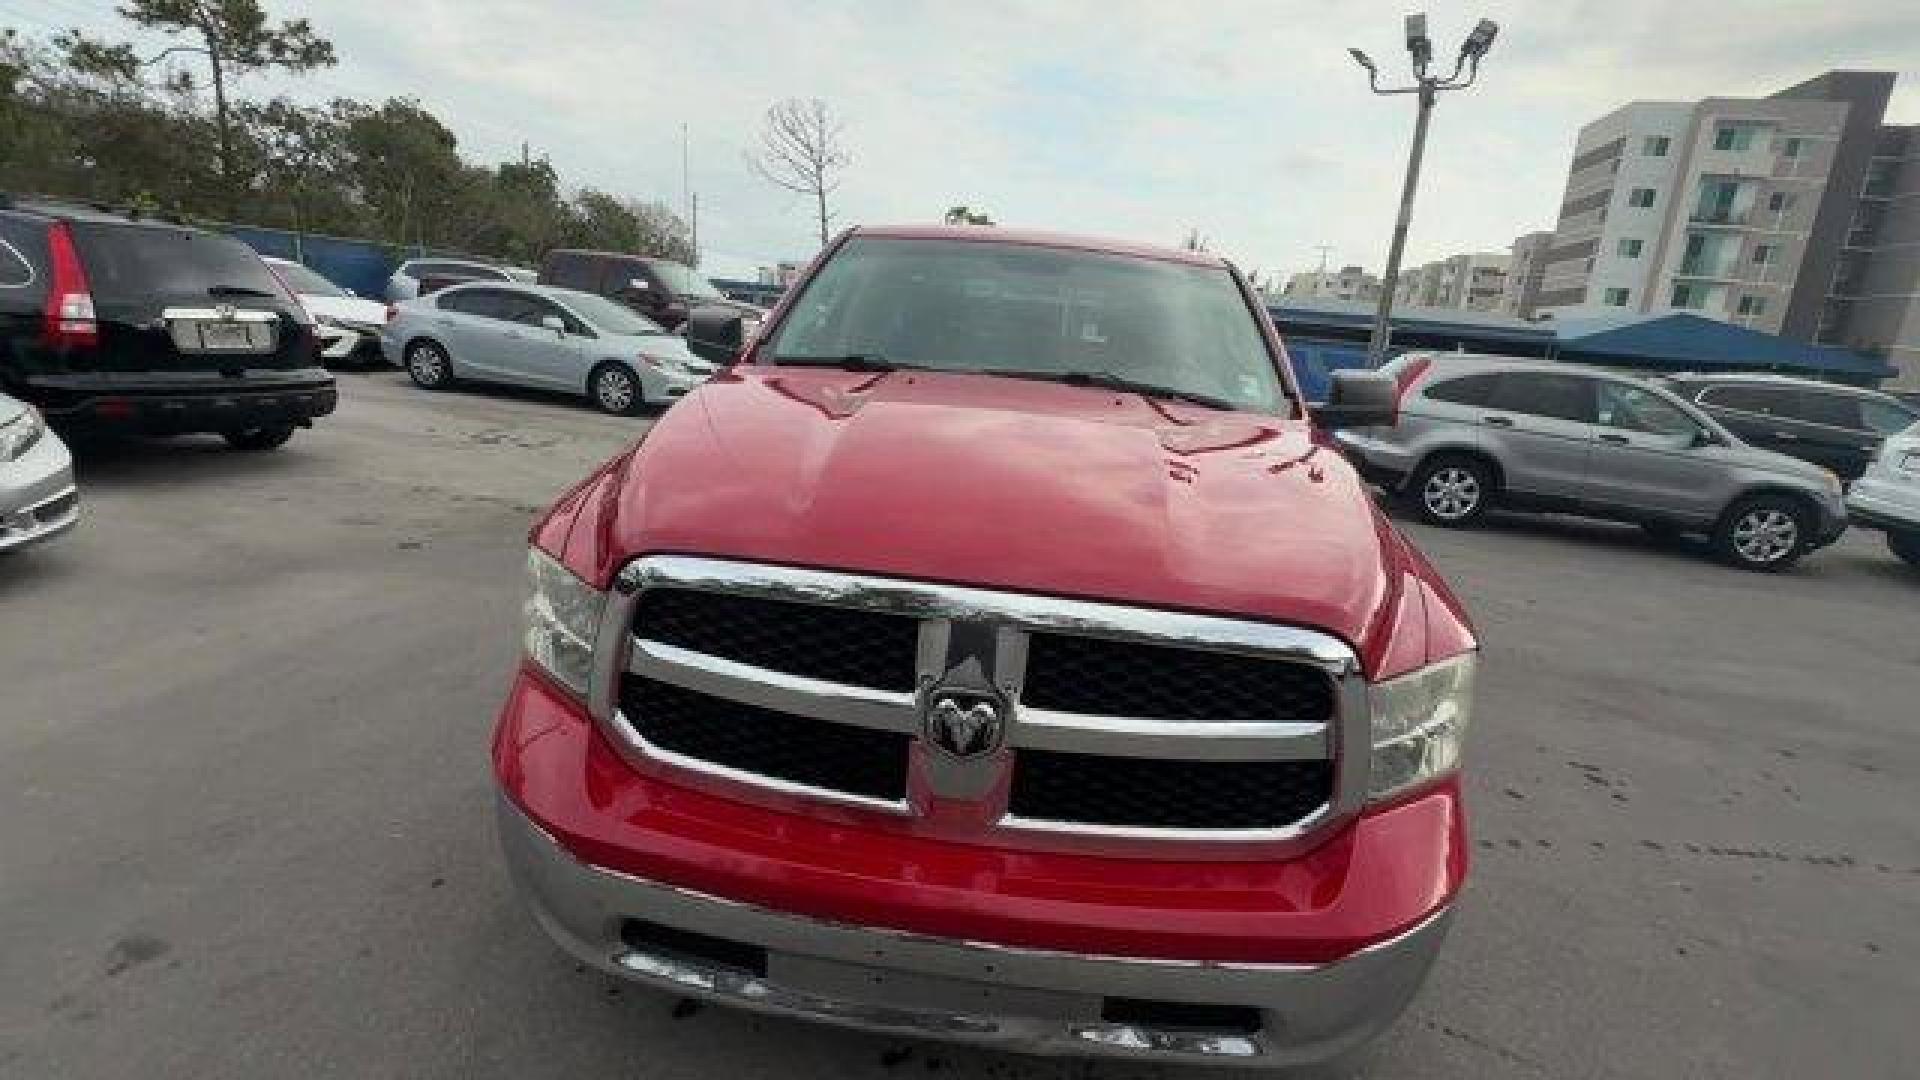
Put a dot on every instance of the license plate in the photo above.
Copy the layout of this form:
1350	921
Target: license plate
232	337
204	334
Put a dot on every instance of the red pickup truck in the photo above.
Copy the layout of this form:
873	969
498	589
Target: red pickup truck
998	650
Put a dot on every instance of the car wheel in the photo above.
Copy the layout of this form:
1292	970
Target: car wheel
1765	533
615	389
1452	492
429	365
1906	545
256	439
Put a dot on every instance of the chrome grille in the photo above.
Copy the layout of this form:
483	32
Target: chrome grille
1123	728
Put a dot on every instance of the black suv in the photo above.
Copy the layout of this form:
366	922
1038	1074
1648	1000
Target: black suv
115	322
660	289
1840	427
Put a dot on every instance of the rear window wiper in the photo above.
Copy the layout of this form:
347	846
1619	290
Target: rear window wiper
239	290
1107	380
848	361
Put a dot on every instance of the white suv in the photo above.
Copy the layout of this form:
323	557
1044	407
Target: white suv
1887	496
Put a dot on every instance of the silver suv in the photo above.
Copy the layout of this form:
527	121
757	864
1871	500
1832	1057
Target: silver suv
1536	435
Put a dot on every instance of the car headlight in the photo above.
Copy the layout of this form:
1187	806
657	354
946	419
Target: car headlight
563	616
1419	723
18	435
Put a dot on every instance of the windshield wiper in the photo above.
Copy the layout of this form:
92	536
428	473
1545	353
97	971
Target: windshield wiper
1107	380
848	361
238	290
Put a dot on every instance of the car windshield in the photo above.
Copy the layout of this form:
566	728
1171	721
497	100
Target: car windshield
1037	312
683	280
606	315
305	280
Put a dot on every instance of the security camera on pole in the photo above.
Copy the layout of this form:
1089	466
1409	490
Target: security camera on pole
1420	48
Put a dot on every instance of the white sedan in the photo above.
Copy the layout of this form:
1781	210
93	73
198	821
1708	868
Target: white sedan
348	326
540	336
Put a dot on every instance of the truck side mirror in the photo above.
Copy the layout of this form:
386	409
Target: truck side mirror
1359	399
715	333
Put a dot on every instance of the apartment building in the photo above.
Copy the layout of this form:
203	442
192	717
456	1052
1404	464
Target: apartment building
1474	280
1351	283
1784	214
1526	267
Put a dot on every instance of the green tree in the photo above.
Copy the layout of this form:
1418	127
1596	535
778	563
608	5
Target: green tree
965	215
402	164
235	38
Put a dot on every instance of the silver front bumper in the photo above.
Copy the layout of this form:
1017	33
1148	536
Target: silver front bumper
1024	1000
38	499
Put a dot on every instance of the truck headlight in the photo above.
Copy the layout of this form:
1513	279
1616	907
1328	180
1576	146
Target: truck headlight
563	615
18	435
1419	723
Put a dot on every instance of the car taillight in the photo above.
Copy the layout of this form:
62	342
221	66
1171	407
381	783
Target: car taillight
392	310
69	320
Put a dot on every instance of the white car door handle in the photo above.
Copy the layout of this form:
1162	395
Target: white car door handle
1785	436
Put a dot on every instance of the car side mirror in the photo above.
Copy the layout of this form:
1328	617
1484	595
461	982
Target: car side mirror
715	333
1703	437
1358	399
554	323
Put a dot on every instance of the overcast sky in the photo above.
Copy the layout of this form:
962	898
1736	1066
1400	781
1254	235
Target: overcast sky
1247	121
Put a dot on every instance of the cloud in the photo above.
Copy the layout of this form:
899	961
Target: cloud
1243	119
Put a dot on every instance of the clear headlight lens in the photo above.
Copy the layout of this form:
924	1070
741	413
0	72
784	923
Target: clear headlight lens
1419	723
563	615
18	435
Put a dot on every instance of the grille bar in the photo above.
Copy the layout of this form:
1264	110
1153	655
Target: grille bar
762	688
1178	740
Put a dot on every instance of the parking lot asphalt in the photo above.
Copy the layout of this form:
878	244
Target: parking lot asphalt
246	831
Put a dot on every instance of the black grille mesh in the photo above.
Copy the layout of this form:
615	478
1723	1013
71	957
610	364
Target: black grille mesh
860	648
797	749
1123	678
1155	794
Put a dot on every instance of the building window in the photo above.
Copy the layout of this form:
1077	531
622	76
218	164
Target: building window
1688	296
1753	305
1779	202
1791	148
1615	298
1640	196
1655	146
1763	254
1630	247
1735	137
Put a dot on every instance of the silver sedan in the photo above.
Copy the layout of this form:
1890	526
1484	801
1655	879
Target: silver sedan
38	498
539	336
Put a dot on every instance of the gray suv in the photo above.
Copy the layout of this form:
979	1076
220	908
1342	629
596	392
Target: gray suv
1473	431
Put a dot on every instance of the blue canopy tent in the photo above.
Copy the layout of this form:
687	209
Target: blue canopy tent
1682	341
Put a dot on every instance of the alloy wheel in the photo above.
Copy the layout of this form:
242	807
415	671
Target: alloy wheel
1451	493
614	390
1765	535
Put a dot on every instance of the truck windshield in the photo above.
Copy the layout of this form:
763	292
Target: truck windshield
683	280
1028	311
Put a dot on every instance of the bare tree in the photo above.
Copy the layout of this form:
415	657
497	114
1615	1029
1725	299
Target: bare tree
800	150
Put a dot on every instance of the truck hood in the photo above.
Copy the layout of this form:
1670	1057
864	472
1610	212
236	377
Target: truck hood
1011	484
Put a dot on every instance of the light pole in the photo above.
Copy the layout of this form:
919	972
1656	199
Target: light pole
1427	87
